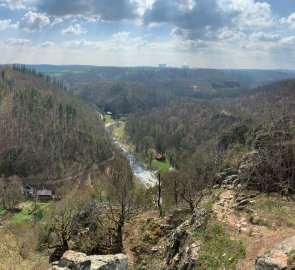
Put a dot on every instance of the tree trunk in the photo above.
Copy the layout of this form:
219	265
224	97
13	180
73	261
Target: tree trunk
160	196
175	193
119	238
191	206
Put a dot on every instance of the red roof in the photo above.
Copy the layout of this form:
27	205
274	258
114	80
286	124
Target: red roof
160	156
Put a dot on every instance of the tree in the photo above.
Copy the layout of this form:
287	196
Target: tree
159	195
10	192
62	218
124	200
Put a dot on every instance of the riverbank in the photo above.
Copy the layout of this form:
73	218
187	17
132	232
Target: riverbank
144	175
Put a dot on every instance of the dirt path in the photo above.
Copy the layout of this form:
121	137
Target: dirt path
258	239
127	249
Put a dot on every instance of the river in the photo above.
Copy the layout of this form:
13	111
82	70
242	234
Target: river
146	176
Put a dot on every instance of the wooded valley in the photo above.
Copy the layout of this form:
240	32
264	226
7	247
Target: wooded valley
205	135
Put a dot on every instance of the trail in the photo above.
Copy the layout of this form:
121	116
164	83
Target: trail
258	239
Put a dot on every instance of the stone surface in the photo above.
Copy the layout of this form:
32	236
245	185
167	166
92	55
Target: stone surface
74	260
80	261
109	262
280	258
180	253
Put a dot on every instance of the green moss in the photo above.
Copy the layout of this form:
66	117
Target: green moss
218	250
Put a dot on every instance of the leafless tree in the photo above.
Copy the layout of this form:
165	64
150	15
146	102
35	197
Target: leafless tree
10	192
123	200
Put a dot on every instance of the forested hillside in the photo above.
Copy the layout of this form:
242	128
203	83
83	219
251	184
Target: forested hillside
191	132
45	131
127	90
182	127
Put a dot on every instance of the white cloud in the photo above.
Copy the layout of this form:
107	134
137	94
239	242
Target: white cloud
186	5
250	13
287	41
74	30
57	21
143	5
121	36
18	4
6	24
228	34
34	22
18	42
78	44
291	21
120	41
47	45
265	37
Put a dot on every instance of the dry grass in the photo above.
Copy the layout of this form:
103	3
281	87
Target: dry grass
18	249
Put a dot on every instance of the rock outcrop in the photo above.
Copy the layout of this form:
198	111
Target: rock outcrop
181	254
79	261
228	179
280	258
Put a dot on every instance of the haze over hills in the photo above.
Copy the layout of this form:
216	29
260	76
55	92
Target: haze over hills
125	90
247	77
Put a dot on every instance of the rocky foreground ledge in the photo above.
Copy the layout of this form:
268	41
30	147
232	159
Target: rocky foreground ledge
280	258
79	261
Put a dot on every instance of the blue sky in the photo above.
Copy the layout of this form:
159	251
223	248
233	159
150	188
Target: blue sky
200	33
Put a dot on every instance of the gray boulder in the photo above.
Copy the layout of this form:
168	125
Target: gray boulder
79	261
74	260
109	262
280	258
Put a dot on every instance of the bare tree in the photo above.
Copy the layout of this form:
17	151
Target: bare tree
10	192
62	219
123	200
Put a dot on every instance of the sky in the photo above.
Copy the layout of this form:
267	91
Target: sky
198	33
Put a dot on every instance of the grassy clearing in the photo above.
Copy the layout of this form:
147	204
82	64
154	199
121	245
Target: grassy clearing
23	217
107	118
282	210
218	250
162	166
119	132
26	215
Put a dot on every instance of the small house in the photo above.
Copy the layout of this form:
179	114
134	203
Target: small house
160	157
45	194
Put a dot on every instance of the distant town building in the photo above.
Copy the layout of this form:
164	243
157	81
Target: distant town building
185	66
162	65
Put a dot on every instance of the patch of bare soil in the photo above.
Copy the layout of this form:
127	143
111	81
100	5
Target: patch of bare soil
134	240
